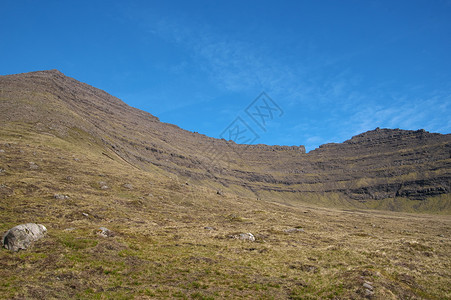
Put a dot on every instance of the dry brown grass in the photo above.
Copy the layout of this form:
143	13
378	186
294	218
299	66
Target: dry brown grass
161	248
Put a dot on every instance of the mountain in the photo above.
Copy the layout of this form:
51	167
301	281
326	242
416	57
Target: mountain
138	209
384	168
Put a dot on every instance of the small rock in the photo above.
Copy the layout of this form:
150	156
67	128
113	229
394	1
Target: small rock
219	192
2	151
368	293
368	285
244	236
33	166
104	187
21	236
247	236
209	228
290	230
60	196
128	186
69	229
85	214
104	232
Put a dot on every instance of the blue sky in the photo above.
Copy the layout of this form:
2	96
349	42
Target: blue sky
334	68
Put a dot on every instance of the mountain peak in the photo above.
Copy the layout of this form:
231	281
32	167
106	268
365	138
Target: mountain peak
44	73
394	135
48	72
54	71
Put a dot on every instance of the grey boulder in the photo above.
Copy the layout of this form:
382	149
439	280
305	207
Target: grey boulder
21	236
247	237
243	236
104	232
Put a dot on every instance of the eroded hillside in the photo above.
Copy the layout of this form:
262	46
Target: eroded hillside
384	168
173	240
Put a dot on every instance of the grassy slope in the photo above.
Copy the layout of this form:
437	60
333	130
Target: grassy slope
161	248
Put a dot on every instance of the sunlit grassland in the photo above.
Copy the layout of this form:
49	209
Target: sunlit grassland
161	247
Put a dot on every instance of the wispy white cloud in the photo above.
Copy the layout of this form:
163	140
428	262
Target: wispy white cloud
232	65
406	113
332	95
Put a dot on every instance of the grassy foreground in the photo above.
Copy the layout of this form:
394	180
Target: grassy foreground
172	239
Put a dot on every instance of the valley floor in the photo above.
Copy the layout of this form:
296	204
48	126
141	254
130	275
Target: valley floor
173	240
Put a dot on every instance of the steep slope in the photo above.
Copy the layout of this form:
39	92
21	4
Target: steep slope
375	169
172	240
74	159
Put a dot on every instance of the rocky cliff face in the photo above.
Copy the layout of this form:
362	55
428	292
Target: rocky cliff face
394	163
375	165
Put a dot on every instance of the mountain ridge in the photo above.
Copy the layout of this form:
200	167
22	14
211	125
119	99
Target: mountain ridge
369	167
